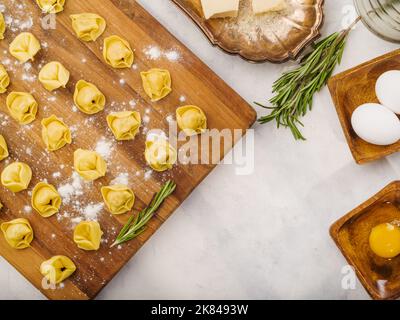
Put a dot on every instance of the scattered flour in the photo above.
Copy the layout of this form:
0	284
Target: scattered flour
105	148
172	55
91	211
122	178
147	175
146	119
27	209
72	188
152	52
56	174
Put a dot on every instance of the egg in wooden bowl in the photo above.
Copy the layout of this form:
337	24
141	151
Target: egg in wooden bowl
369	239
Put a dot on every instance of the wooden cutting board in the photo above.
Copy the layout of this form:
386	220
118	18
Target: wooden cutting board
193	82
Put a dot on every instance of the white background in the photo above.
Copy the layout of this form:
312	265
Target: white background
262	236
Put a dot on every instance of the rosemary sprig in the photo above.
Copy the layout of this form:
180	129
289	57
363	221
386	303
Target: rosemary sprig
294	90
137	224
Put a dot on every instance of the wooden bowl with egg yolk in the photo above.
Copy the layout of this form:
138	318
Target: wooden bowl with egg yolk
379	276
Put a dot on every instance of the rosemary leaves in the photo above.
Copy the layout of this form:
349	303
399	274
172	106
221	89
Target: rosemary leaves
294	90
137	224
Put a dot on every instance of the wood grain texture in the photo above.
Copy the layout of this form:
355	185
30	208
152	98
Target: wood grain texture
379	276
355	87
191	78
302	22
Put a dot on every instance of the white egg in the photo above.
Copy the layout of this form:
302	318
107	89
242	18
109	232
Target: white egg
388	90
376	124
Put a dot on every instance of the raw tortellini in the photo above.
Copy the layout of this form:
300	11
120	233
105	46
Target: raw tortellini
24	47
191	120
45	199
51	6
124	125
55	133
3	148
118	198
117	52
2	26
89	164
53	76
160	155
156	83
22	107
87	235
88	98
88	26
18	233
57	269
4	79
16	176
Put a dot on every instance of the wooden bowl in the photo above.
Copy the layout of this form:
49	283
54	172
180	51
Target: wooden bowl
380	277
354	87
275	37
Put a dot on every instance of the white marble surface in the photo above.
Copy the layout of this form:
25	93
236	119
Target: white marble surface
262	236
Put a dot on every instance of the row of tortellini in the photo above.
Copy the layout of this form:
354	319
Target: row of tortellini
45	198
19	234
117	52
159	154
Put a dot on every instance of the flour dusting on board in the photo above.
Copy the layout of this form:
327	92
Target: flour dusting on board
105	148
122	178
155	53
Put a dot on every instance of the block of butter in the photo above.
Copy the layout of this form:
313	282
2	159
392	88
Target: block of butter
220	8
262	6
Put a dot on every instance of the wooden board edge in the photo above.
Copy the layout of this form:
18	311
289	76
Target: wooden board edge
161	222
346	73
332	86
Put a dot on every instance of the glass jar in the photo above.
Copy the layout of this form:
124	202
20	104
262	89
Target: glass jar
382	17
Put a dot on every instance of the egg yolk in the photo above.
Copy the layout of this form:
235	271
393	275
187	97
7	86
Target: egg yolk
384	240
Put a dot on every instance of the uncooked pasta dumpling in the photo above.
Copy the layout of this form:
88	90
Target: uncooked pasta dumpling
55	133
117	52
22	107
156	83
3	148
88	26
53	76
51	6
88	98
16	176
45	199
124	125
191	120
160	155
24	47
18	233
2	26
4	79
118	198
89	164
87	235
57	269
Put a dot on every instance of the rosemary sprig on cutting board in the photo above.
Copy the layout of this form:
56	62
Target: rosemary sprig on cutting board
137	224
294	90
